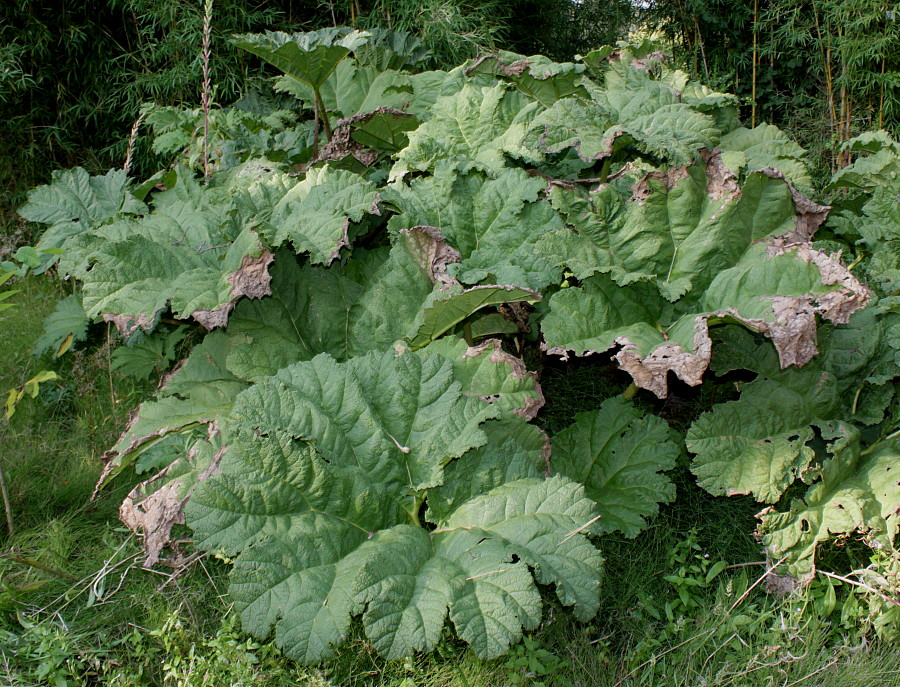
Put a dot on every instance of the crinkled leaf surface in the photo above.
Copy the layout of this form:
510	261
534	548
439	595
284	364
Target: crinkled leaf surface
772	291
75	202
352	89
133	281
876	228
766	146
316	547
315	214
196	253
488	372
309	57
856	492
140	359
593	316
473	129
344	310
514	450
618	453
868	173
349	309
493	223
398	418
758	444
537	77
199	391
576	123
651	118
76	196
678	229
67	323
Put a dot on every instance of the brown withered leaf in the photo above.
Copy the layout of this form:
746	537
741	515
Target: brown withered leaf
432	253
156	505
251	279
534	403
793	331
343	145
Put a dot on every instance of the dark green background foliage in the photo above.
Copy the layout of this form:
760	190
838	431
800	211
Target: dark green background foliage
825	69
73	75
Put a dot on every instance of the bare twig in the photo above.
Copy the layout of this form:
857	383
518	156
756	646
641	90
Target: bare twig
755	62
753	586
580	529
815	672
31	563
887	598
7	506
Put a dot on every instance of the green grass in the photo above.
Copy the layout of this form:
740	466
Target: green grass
77	608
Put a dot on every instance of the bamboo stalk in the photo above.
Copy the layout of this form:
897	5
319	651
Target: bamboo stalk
825	47
702	48
755	61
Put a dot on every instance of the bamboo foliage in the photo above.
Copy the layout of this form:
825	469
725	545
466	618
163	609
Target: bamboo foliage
851	50
826	68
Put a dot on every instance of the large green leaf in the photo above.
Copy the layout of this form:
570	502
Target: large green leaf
775	289
309	57
537	76
678	229
650	118
856	492
196	253
315	215
75	196
134	280
514	450
766	146
397	418
352	89
488	372
316	547
759	443
76	202
345	310
875	227
473	129
374	300
618	453
493	223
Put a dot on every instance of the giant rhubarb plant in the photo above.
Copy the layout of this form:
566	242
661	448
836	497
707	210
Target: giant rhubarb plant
353	433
